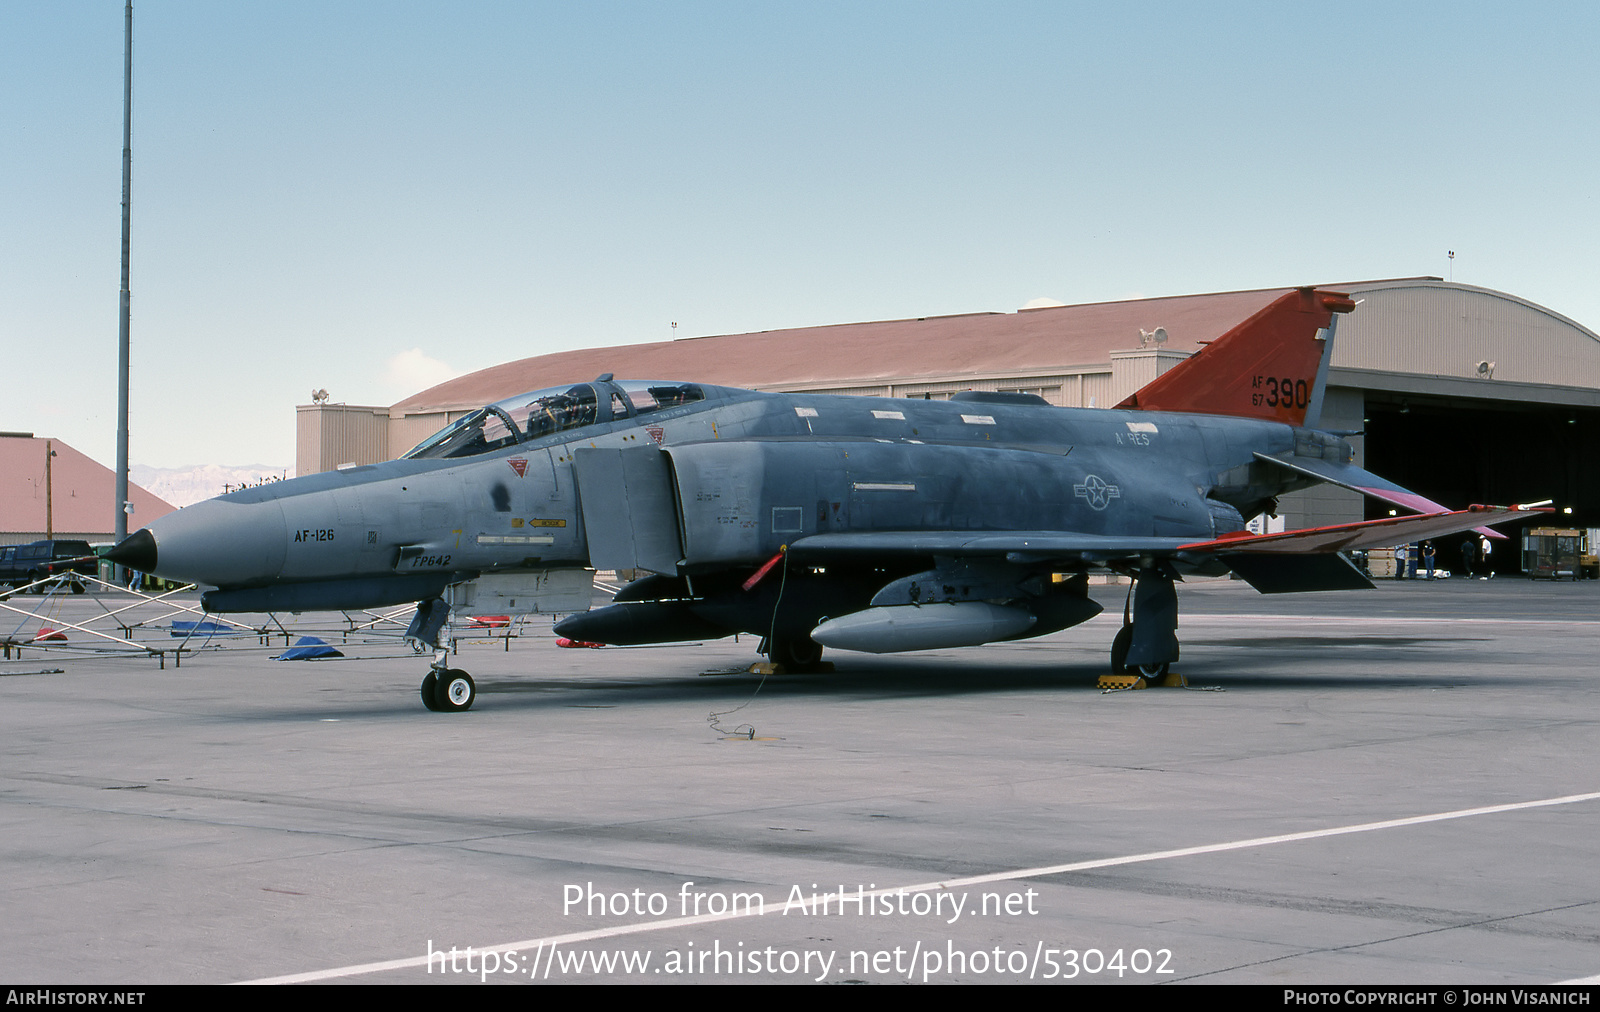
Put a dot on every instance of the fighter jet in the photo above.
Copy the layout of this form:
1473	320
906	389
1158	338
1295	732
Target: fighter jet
815	521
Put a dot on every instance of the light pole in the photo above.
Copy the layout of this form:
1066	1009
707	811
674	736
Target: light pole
49	497
122	321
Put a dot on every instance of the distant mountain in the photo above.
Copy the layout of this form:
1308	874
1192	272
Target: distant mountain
182	486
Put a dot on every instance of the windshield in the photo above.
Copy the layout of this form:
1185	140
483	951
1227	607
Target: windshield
484	430
546	412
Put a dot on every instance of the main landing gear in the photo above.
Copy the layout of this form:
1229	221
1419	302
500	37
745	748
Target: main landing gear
444	689
1147	643
448	690
796	654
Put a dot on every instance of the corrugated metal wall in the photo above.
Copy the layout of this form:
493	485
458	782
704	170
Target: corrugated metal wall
1439	329
404	433
328	435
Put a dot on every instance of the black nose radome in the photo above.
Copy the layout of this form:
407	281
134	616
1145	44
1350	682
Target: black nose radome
137	551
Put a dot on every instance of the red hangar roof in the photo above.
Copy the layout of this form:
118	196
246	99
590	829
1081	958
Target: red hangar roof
81	492
1028	341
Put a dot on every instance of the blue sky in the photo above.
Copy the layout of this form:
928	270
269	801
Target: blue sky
367	197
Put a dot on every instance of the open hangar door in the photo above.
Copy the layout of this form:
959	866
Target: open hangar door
1459	451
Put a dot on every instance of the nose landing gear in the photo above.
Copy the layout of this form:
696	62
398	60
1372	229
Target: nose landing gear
444	689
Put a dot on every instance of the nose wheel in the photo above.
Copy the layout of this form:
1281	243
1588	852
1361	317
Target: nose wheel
448	691
444	689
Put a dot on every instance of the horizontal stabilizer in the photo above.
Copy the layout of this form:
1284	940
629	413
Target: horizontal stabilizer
1358	479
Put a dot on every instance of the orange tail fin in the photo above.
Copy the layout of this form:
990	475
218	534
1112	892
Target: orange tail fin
1272	366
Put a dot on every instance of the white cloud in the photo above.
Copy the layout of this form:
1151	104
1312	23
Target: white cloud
413	370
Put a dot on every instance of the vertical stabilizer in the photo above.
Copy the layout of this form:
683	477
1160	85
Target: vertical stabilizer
1272	366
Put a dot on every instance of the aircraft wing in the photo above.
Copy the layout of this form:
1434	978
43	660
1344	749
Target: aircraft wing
1032	544
1098	547
1380	533
1290	562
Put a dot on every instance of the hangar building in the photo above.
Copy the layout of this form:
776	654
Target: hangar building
1463	394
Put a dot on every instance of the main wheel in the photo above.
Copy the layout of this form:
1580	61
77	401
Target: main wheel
430	689
1119	657
795	653
1119	650
456	691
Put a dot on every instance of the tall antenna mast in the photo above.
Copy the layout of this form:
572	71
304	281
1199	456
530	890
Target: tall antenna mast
122	323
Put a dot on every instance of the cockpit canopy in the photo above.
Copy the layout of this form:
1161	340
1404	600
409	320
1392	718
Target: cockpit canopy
546	412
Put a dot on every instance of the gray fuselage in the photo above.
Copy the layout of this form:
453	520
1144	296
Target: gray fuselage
742	474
